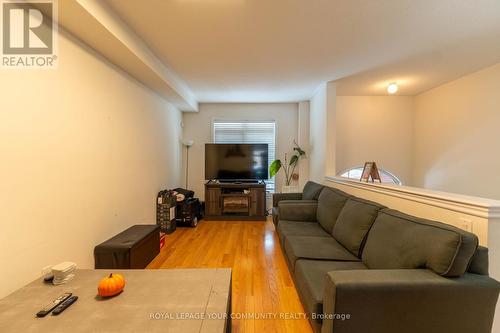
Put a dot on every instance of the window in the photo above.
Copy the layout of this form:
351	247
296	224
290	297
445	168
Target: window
386	176
225	131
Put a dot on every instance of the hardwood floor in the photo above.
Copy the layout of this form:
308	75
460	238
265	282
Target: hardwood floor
261	280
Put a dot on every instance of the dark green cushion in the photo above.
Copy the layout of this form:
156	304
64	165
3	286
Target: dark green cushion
330	203
277	197
400	241
310	280
354	222
298	210
293	228
311	191
324	248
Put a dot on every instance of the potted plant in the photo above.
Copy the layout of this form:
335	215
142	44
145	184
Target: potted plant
288	167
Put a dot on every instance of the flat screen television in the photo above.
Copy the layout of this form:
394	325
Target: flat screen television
236	161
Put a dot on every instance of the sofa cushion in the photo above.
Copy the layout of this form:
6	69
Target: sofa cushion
354	222
310	280
400	241
298	210
330	203
293	228
311	191
323	248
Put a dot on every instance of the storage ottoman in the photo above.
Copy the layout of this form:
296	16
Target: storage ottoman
133	248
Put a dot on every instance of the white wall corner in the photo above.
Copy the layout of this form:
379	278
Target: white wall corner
322	113
303	142
317	135
331	113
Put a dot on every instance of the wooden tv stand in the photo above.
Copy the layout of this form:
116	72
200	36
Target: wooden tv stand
239	201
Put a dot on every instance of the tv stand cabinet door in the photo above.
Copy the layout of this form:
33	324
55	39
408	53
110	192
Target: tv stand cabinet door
212	201
257	202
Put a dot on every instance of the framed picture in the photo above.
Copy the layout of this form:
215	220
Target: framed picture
370	171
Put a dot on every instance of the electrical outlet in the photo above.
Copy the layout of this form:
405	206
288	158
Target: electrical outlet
465	224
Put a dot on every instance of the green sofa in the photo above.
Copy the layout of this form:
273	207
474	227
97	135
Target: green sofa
361	267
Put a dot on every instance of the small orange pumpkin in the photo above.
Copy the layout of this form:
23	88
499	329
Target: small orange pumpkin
111	285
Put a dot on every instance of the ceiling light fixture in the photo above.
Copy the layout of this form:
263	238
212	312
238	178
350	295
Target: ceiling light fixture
392	88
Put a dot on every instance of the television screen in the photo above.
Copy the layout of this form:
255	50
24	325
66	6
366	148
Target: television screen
236	161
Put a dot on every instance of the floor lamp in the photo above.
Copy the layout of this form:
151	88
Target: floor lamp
187	144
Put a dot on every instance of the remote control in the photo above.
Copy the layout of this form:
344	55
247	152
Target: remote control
64	305
49	307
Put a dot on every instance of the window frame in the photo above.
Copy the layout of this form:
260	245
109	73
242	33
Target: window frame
396	179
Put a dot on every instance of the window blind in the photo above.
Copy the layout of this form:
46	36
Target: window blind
248	132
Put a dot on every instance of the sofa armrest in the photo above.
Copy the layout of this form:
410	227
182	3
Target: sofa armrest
277	197
409	300
298	210
479	262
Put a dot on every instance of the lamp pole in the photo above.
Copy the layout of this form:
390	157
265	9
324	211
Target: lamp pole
188	144
187	165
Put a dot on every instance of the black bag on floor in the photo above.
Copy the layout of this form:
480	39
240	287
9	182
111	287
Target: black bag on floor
186	193
188	210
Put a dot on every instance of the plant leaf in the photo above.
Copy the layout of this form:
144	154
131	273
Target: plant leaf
274	168
294	159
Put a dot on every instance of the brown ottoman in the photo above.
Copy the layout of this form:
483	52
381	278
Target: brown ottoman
133	248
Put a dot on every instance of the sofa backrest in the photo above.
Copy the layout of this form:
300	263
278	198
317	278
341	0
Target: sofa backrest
311	191
400	241
330	203
354	222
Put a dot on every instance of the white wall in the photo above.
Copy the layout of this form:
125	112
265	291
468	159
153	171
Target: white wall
198	127
375	128
303	141
322	132
331	135
457	134
317	134
84	150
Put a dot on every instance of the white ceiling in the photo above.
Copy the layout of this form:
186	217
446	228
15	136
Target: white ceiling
281	50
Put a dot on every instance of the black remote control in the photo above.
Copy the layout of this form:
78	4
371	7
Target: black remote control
49	307
64	305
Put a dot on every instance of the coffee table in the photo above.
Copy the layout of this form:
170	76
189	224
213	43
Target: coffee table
164	300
